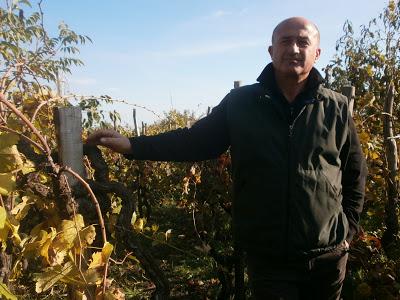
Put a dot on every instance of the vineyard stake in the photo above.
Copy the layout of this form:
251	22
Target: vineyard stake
68	124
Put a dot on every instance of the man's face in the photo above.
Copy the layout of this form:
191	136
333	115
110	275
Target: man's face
295	49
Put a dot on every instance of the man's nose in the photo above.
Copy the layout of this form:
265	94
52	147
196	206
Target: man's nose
295	48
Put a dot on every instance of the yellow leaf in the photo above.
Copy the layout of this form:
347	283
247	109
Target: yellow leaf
78	219
51	276
44	178
3	228
44	249
7	183
370	213
8	223
370	72
3	217
107	250
154	227
4	291
392	6
28	167
139	224
8	139
87	235
97	260
10	159
374	155
3	237
68	232
364	137
56	256
20	210
33	248
13	225
133	219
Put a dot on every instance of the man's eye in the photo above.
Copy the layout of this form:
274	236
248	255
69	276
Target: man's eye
303	43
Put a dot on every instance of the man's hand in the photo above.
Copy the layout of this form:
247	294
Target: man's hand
110	139
346	245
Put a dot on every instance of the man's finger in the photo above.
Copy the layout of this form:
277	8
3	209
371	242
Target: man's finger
107	141
95	137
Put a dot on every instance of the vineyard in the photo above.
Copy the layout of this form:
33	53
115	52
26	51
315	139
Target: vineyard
122	229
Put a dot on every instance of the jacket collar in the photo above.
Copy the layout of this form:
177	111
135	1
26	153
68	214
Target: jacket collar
267	79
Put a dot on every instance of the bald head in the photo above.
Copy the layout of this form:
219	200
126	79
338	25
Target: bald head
295	48
296	22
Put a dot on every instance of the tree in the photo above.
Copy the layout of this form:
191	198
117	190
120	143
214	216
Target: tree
370	61
31	222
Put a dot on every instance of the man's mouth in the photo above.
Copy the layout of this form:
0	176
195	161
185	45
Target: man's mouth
294	61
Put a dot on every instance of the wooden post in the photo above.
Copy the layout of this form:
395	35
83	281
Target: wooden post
240	293
350	92
68	124
391	207
208	110
144	128
237	84
135	123
115	124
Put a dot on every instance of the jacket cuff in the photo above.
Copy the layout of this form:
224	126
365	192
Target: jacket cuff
131	155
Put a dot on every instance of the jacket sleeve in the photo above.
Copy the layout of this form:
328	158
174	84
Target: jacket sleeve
354	174
206	139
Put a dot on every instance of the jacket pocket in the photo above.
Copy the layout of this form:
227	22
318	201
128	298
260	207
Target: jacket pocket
331	257
315	210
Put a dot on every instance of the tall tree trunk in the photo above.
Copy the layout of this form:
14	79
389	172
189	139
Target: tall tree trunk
392	223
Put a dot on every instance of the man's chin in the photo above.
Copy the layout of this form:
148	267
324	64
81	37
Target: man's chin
293	72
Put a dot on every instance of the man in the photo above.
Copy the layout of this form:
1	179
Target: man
298	170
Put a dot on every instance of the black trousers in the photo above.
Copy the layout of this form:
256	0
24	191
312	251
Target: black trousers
320	278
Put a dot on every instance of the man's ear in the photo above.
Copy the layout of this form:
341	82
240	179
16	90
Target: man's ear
270	50
317	53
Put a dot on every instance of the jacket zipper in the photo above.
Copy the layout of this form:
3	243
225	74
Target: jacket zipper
289	195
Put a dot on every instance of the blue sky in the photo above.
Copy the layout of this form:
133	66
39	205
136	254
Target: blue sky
186	54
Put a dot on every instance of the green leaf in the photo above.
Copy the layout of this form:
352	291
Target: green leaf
4	291
8	140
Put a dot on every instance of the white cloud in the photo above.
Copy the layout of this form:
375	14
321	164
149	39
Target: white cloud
210	48
220	13
83	81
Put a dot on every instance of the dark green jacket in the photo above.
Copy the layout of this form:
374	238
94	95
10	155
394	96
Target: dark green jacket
298	170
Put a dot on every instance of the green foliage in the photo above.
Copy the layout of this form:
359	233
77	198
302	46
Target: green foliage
27	50
183	208
94	113
369	60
